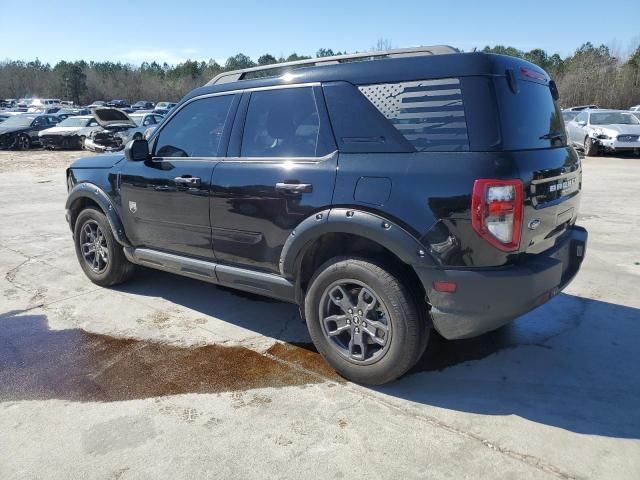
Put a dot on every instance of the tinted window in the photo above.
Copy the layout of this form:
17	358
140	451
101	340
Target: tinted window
196	130
428	113
530	118
281	123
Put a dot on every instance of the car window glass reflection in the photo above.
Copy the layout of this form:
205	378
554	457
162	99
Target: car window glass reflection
196	130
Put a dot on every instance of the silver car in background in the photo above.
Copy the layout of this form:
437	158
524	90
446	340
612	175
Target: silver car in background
608	130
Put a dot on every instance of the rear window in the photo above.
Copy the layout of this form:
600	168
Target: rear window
428	113
530	118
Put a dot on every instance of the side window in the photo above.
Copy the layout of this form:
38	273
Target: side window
148	120
196	130
282	123
92	123
158	118
428	113
39	122
583	117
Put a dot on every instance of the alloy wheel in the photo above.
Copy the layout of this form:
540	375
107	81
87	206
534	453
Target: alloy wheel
93	245
355	321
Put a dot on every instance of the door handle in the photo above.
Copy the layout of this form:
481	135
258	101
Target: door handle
294	187
188	181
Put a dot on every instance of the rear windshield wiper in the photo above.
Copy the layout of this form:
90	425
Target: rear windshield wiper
553	136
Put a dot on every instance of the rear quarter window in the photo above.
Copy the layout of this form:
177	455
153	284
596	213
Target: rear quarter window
428	113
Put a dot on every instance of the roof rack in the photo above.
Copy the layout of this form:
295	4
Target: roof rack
236	75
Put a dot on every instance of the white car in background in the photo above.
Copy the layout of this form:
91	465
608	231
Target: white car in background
609	130
70	133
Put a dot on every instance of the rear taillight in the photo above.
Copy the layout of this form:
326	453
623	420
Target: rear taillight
496	212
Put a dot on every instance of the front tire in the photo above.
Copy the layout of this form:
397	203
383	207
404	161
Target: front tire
590	148
364	320
23	142
100	255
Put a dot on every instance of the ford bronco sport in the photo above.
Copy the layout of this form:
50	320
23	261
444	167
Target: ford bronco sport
385	193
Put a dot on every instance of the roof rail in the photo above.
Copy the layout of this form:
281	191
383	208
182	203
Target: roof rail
236	75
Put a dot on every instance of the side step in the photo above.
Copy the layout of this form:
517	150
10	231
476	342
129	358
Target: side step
260	283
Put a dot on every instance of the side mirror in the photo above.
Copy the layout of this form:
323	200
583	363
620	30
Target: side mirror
137	150
582	123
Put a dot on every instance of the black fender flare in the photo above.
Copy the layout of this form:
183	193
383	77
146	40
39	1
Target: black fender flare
92	192
385	232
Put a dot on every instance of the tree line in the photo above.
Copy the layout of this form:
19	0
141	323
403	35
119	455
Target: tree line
592	74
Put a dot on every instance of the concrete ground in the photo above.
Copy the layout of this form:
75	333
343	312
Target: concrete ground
167	377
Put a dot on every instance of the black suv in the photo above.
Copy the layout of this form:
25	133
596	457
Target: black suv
385	193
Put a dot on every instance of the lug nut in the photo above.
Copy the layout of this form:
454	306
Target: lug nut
360	312
357	330
350	311
348	321
364	324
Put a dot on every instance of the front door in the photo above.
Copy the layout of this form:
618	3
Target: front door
280	169
165	200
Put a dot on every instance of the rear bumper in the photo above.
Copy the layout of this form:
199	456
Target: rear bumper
486	299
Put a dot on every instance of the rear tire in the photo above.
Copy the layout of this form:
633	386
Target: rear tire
364	321
590	148
101	257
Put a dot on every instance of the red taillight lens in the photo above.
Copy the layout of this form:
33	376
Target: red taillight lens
496	212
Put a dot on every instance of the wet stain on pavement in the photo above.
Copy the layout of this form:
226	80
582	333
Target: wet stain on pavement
39	363
305	356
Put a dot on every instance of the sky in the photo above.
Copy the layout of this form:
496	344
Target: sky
134	31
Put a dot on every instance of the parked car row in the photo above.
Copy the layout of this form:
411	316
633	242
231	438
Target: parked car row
595	130
100	129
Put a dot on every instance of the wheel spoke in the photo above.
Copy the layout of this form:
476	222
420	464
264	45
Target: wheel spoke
341	298
371	332
340	322
366	301
88	248
357	345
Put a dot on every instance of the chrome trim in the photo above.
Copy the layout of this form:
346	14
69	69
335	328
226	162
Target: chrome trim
559	177
281	159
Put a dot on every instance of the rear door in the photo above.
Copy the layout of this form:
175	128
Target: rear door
280	169
165	200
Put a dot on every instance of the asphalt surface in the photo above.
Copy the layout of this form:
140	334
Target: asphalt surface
167	377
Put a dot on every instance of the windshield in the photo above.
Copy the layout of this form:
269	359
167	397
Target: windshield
18	121
613	118
74	122
137	118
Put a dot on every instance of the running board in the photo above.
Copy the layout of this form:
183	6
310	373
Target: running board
261	283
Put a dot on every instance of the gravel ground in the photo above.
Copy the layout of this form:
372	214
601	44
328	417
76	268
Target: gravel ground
168	377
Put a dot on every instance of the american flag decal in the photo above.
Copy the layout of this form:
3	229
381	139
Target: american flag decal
429	113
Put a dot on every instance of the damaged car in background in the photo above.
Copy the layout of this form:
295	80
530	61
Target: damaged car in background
70	133
113	122
20	132
118	128
604	130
